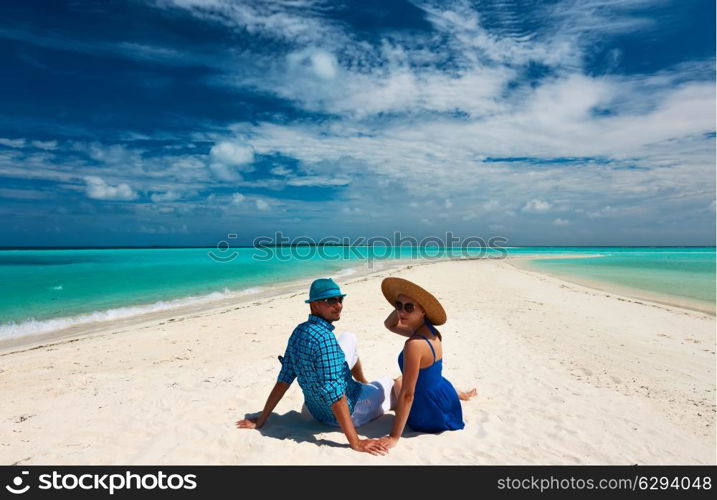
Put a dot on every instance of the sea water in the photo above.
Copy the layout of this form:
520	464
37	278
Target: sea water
682	275
46	290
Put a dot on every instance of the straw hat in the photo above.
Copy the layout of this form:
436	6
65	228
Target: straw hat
393	287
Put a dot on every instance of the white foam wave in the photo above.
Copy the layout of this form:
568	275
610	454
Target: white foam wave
32	326
345	272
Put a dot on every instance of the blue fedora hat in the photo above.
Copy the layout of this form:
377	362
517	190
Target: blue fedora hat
323	288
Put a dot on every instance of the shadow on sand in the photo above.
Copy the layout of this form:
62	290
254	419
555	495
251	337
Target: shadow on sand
302	428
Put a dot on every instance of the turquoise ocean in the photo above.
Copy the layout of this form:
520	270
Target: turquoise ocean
45	290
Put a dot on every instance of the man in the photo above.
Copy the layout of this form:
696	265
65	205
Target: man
323	366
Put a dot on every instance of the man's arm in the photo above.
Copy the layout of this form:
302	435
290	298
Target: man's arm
343	417
330	363
274	397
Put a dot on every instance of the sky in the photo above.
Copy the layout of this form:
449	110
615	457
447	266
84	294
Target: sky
179	122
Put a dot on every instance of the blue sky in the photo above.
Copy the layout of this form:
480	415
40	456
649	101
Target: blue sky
177	122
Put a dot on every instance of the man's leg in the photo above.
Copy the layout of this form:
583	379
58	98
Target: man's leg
374	401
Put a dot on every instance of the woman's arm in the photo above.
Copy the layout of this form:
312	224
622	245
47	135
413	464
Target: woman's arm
391	323
411	365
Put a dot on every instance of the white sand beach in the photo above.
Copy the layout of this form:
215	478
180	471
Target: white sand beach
565	374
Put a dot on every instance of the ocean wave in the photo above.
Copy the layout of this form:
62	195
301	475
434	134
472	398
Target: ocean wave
32	326
345	272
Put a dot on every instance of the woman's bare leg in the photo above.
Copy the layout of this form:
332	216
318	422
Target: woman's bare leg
397	384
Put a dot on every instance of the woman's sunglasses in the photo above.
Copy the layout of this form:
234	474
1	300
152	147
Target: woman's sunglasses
408	307
333	300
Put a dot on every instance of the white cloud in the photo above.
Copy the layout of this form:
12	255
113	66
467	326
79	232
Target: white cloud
163	229
187	162
536	206
12	143
384	88
113	154
98	189
544	126
323	64
224	173
237	198
318	181
560	222
292	20
587	18
168	196
606	211
491	205
46	145
442	108
262	205
232	154
460	23
280	171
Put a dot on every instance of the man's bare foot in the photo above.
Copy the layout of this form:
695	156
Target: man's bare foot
466	395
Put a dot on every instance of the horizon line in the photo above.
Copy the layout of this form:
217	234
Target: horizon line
167	247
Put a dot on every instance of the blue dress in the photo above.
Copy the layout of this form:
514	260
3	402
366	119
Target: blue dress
436	406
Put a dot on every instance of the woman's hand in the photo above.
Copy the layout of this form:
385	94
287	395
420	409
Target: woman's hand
372	446
388	442
392	324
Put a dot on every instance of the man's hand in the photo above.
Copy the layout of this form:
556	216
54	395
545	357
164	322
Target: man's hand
372	446
274	397
250	423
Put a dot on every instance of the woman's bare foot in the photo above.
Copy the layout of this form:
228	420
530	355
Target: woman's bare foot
466	395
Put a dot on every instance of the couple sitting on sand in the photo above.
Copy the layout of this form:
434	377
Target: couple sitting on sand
330	375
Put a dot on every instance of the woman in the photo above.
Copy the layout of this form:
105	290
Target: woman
425	399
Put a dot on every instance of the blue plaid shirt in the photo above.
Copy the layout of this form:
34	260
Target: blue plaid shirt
314	357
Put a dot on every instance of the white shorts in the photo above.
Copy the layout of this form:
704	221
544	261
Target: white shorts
374	401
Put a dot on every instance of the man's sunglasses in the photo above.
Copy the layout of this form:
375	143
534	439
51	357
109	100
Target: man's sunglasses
408	307
333	300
